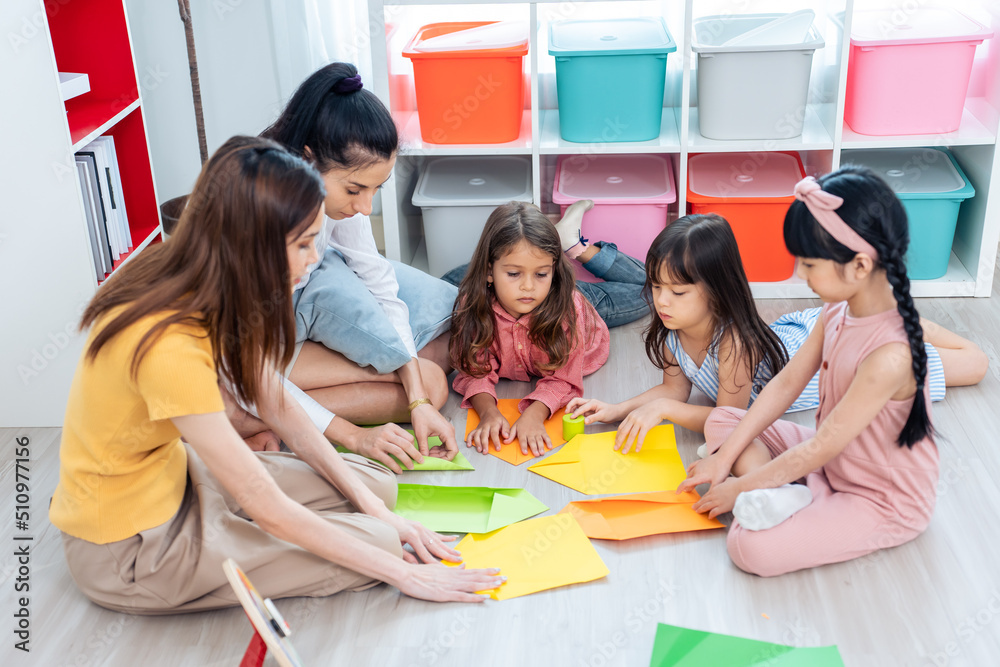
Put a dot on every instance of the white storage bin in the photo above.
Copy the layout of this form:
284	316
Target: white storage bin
457	195
753	74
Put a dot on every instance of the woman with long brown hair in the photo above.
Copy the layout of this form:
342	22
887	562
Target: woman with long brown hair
148	521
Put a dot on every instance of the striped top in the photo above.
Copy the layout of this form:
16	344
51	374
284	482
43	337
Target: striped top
793	329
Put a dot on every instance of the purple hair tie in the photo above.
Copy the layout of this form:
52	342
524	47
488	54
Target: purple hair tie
348	85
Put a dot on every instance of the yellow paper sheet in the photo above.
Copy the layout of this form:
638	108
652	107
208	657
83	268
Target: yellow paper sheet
512	453
589	464
639	514
535	555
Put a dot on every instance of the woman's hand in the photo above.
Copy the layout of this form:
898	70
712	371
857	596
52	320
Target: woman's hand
720	498
431	580
384	442
427	421
449	584
594	410
530	431
712	470
427	545
493	427
636	425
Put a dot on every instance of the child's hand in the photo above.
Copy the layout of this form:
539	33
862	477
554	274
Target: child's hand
530	431
712	470
720	498
593	409
636	425
493	427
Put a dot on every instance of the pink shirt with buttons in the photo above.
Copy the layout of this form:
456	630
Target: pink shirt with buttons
513	356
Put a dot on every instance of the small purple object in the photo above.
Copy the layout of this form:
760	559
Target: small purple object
348	85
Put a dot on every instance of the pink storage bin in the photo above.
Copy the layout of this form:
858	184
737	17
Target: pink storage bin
630	193
908	72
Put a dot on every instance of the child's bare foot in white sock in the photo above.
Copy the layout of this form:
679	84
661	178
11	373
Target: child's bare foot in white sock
761	509
570	238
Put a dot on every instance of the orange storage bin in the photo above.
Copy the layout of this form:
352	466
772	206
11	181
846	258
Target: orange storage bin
469	81
753	192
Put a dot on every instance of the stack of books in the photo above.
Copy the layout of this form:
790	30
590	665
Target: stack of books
107	221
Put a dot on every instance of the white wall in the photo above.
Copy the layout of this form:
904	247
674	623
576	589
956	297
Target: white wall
45	278
236	66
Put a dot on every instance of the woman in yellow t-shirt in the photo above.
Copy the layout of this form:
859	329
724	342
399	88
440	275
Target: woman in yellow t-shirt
148	520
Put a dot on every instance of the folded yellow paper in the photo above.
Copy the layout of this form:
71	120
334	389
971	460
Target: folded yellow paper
535	555
589	464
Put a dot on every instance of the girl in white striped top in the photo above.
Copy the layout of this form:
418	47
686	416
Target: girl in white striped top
706	333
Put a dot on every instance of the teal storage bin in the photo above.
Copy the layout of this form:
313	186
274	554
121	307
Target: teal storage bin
609	78
932	187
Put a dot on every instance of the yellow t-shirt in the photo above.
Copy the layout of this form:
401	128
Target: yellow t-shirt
123	468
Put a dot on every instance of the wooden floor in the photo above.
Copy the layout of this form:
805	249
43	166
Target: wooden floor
934	601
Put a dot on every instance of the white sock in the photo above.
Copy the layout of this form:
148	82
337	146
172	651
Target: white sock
571	222
703	450
761	509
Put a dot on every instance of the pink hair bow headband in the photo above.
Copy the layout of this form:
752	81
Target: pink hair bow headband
823	206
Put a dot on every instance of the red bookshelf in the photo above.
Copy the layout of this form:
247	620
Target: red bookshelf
93	37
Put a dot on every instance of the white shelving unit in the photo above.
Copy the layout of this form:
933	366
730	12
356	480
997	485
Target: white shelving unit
824	136
46	265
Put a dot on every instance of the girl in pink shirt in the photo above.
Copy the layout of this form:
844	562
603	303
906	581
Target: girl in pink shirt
519	315
871	466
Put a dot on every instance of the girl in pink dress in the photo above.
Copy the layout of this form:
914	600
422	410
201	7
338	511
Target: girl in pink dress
871	466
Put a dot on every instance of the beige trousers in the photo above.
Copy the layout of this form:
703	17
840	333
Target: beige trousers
177	567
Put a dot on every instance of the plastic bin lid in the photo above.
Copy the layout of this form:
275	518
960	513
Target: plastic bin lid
738	33
500	35
468	39
915	173
791	28
743	176
614	179
474	181
629	36
928	25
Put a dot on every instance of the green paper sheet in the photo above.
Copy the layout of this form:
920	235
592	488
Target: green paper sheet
683	647
465	509
430	462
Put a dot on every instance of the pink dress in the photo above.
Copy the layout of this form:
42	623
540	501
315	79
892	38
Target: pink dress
873	495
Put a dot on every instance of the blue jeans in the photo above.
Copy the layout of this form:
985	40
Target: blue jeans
618	300
336	309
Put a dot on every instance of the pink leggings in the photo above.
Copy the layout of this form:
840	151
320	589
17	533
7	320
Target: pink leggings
835	527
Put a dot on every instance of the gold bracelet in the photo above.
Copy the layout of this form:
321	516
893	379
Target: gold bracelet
419	401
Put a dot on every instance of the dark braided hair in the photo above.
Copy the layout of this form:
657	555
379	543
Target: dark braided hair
872	209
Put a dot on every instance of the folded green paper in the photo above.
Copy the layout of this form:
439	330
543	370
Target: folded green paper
465	509
683	647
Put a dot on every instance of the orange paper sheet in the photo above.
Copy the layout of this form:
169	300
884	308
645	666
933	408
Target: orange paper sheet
639	514
511	453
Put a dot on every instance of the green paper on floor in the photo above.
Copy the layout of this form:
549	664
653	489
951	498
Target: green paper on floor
683	647
430	462
465	509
